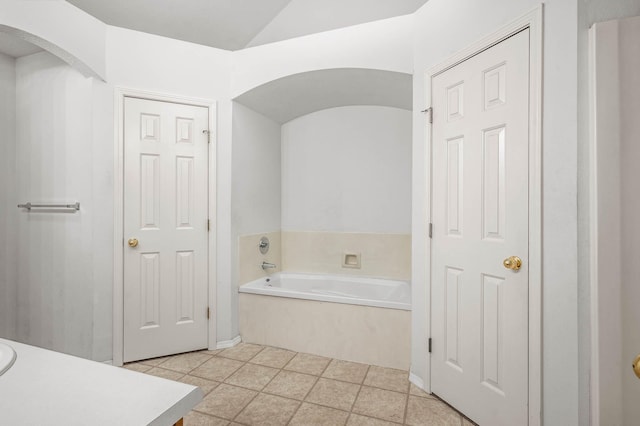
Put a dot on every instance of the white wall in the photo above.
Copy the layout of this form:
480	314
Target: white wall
590	12
607	322
347	169
8	201
615	106
255	188
56	162
80	40
443	27
256	172
630	153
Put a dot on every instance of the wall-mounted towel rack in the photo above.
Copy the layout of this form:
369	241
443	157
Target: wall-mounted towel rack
29	206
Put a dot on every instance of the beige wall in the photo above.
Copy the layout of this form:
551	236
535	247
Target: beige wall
377	336
381	255
250	259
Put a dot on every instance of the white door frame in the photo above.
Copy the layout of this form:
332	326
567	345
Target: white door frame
533	21
118	208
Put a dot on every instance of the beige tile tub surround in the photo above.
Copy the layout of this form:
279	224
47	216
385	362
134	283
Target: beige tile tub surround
363	334
381	255
250	258
308	390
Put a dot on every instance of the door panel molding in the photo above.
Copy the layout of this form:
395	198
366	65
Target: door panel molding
118	204
532	20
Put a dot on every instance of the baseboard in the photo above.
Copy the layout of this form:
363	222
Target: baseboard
416	381
228	343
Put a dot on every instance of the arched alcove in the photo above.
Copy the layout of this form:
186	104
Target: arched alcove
60	28
322	167
52	48
296	95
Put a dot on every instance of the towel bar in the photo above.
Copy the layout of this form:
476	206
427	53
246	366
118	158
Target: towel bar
29	206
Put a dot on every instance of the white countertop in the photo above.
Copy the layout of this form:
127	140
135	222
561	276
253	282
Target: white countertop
49	388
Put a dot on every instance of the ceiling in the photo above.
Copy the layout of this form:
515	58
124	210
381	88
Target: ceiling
290	97
236	24
15	47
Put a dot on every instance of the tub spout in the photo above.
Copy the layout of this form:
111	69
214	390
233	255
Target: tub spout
267	265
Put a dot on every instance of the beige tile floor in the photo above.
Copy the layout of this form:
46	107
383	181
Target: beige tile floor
260	385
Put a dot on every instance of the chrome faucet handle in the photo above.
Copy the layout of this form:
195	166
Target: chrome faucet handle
267	265
263	246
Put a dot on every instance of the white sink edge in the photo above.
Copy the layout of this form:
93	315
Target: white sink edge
7	357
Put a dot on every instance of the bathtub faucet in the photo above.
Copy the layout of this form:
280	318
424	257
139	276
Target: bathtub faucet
267	265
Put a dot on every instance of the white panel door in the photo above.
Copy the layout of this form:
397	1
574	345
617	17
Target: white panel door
165	210
479	360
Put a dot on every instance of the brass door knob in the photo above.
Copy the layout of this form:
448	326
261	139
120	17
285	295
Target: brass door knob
636	366
133	242
512	262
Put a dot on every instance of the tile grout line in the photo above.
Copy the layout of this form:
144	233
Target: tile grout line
215	381
318	377
359	390
368	416
406	405
310	388
223	380
260	391
248	403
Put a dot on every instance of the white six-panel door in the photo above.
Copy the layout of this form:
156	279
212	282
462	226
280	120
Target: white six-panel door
165	214
480	160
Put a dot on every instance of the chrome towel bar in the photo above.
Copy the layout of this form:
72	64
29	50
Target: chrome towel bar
29	206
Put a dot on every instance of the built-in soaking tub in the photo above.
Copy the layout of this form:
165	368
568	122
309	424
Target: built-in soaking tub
364	320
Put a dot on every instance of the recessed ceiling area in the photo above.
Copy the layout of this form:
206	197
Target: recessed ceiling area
236	24
225	24
15	47
291	97
303	17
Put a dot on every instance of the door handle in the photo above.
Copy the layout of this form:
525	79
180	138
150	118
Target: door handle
512	262
636	366
133	242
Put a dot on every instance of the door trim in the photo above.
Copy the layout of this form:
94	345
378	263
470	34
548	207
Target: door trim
533	21
118	208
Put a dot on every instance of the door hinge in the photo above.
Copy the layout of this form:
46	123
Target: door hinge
429	344
208	313
430	230
208	133
429	112
208	225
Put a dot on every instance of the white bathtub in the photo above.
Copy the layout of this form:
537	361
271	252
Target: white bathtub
356	319
352	290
